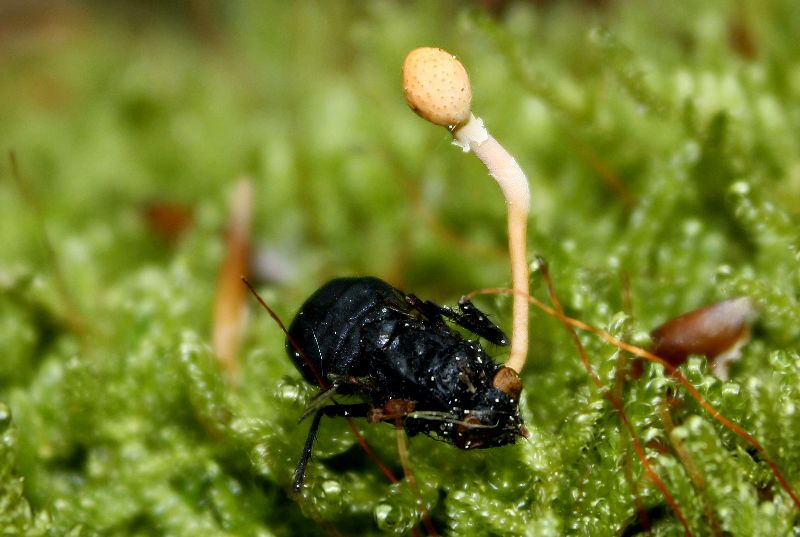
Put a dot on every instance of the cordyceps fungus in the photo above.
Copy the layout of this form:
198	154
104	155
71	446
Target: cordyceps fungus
396	352
437	87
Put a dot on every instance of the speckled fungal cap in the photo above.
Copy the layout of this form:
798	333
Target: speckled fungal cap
437	87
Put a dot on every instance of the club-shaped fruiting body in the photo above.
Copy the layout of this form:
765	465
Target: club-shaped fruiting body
437	87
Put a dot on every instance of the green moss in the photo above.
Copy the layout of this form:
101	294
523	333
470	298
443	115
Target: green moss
663	154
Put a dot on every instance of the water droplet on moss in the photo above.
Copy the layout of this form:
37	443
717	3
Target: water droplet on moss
641	338
331	488
723	273
692	227
289	391
328	496
260	457
692	152
731	389
382	513
5	416
741	188
394	518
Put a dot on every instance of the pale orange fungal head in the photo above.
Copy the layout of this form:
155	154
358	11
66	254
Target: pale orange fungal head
436	86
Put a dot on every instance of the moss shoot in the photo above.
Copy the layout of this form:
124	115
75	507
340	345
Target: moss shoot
662	145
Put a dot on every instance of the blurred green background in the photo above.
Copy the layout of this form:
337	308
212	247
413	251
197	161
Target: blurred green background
662	144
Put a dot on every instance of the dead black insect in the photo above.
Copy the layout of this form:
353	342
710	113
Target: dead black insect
363	337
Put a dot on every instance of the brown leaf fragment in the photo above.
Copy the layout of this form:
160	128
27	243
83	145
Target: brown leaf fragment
229	304
717	331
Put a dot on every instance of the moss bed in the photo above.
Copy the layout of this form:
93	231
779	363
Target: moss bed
662	141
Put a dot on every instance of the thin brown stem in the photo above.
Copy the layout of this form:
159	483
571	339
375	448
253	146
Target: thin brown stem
402	450
73	315
692	471
616	403
619	387
642	353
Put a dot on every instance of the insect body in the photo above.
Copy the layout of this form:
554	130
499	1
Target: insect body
363	337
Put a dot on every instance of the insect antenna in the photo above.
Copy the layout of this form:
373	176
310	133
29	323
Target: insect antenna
444	417
292	342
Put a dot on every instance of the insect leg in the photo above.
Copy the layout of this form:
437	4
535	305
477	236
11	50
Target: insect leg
471	318
356	411
468	317
320	399
477	322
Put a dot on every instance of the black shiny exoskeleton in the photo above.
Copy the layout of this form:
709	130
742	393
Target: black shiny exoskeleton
362	336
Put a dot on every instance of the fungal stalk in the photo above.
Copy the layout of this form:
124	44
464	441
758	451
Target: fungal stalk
437	88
